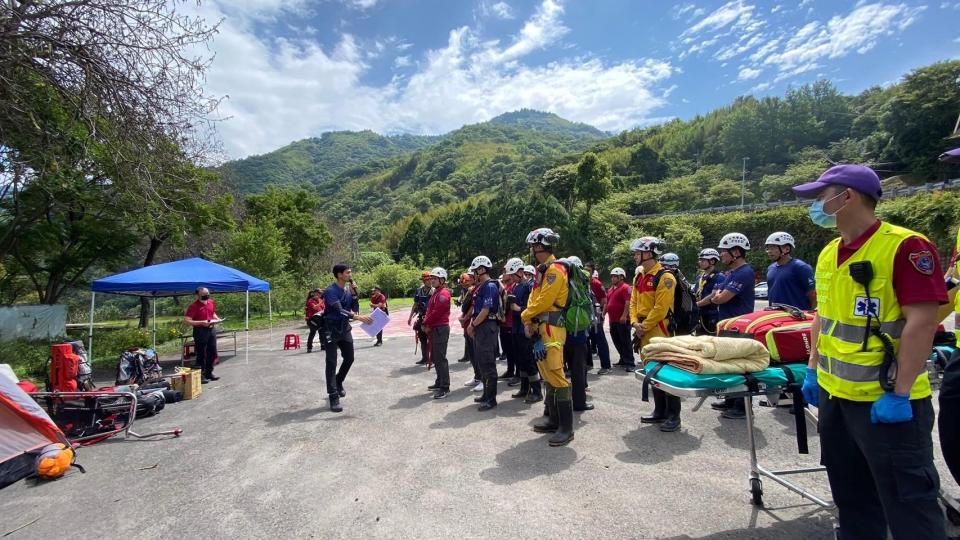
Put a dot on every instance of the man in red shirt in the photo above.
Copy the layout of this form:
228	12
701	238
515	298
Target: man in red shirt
598	340
436	325
618	298
379	300
202	315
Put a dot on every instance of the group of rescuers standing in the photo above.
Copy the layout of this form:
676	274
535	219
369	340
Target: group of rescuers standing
875	419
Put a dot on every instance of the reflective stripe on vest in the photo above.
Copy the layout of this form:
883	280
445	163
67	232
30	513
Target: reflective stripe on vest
844	369
854	334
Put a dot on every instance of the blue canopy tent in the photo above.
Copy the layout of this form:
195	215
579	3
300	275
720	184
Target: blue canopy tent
180	278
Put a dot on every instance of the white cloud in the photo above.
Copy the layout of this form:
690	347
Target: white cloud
725	15
776	8
361	4
761	87
283	90
747	73
502	10
732	19
859	31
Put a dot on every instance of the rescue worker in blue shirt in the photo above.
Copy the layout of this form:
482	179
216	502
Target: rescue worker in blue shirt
419	309
530	387
734	296
789	281
708	312
339	311
484	328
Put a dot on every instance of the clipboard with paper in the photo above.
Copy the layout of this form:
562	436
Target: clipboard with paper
379	320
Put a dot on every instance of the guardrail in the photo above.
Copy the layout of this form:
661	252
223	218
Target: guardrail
953	183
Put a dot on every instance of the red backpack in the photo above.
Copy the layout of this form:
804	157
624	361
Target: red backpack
784	330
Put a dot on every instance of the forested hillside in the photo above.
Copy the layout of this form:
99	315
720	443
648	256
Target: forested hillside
317	160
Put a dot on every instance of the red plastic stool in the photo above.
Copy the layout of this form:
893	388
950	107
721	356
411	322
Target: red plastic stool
291	341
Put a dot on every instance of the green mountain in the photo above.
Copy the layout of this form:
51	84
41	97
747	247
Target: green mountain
317	160
506	154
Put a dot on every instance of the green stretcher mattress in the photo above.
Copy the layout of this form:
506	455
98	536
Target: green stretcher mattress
681	378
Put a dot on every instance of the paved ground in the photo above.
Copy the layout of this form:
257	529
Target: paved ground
262	457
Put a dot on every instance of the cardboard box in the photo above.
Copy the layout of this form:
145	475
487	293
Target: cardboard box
187	382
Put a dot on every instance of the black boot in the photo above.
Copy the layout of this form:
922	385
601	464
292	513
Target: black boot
536	394
335	403
673	414
564	433
489	397
659	409
553	420
340	391
524	388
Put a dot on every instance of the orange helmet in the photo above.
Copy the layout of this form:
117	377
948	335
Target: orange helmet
424	275
465	278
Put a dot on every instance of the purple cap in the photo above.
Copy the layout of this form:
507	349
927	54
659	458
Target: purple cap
951	156
858	177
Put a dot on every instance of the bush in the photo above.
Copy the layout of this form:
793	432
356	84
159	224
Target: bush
27	358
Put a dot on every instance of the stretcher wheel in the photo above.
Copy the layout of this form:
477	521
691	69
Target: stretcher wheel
953	516
756	489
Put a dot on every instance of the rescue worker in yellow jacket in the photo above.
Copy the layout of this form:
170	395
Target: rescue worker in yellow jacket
651	303
542	318
878	290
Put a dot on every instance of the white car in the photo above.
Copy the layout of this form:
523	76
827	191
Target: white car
760	290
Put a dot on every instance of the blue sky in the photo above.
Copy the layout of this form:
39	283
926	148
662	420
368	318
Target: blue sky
292	69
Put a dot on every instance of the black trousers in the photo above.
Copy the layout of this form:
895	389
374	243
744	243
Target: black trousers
380	333
881	475
422	336
950	416
485	339
598	340
523	349
620	333
205	345
506	345
575	356
439	337
343	341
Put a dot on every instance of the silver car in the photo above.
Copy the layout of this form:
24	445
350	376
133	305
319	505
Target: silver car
760	290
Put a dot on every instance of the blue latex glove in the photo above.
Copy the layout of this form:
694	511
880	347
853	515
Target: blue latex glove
810	389
539	351
891	408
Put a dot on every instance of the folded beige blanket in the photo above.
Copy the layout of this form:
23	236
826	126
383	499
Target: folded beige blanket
708	354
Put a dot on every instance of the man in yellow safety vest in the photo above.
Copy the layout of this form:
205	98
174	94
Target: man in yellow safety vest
879	287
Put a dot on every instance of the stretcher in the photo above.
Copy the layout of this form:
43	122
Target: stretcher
770	382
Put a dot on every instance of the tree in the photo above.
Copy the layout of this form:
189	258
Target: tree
257	248
922	113
411	245
645	161
295	212
561	182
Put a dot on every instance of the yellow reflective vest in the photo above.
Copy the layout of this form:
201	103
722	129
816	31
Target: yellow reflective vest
844	370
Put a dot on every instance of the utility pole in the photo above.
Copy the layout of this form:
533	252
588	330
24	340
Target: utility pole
743	182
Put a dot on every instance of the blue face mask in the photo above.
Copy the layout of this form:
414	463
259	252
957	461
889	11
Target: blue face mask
820	217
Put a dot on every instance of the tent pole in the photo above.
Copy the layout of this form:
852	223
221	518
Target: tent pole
93	303
246	332
270	311
154	323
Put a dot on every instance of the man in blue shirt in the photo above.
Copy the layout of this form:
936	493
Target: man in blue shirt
484	328
705	285
337	315
789	281
530	388
733	296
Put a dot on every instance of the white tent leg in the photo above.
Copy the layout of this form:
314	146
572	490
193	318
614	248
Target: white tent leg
246	332
93	303
154	301
270	312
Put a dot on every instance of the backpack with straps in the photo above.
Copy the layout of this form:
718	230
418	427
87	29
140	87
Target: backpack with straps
683	314
578	313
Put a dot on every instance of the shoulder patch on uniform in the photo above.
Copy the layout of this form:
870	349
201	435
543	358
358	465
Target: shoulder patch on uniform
922	261
668	283
551	277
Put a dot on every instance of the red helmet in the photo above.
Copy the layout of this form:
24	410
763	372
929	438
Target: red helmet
424	275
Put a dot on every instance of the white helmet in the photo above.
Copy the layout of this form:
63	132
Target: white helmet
438	273
482	260
543	235
647	243
529	269
780	239
708	254
574	260
513	266
670	259
618	272
733	240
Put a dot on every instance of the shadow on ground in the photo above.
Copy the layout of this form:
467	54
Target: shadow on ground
529	459
649	446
